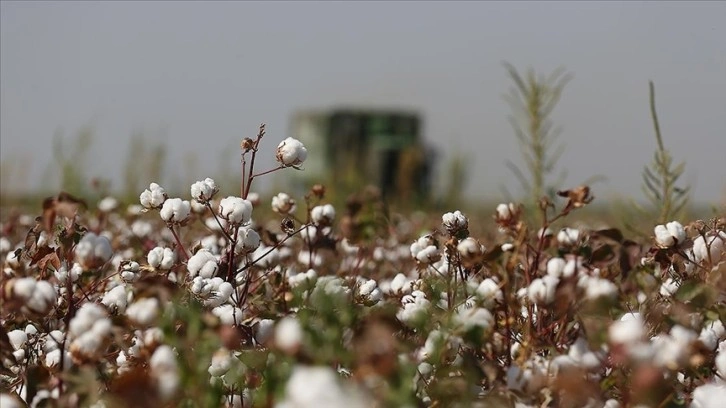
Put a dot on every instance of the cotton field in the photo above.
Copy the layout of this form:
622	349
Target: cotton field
198	301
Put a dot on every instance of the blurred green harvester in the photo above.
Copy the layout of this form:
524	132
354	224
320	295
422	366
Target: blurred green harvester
351	148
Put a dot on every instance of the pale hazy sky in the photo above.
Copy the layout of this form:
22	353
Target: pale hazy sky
201	75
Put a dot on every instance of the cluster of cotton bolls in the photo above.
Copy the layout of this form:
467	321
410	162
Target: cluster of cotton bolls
321	306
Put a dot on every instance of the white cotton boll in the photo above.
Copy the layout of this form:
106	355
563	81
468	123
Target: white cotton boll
628	330
248	240
108	204
18	338
203	191
572	267
712	333
709	395
428	255
153	197
469	319
161	258
307	258
288	334
92	251
235	210
175	210
669	287
85	318
228	314
319	387
164	369
542	290
10	401
400	285
489	292
568	236
265	259
720	361
421	244
669	235
282	203
711	249
143	311
556	267
454	222
39	296
220	294
506	211
323	214
129	271
611	403
203	263
368	290
530	378
470	247
5	245
221	363
544	233
506	247
155	256
264	330
414	308
597	287
672	350
141	228
116	299
291	152
63	274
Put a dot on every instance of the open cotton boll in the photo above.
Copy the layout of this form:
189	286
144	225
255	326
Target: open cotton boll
454	222
400	285
568	236
669	235
556	267
283	204
203	263
221	362
164	369
489	292
473	318
669	287
323	215
264	330
228	314
319	387
288	335
161	258
107	204
470	248
596	287
116	299
235	210
92	251
710	249
414	308
203	191
709	395
630	329
542	290
712	333
153	197
175	210
291	152
37	296
248	240
144	311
